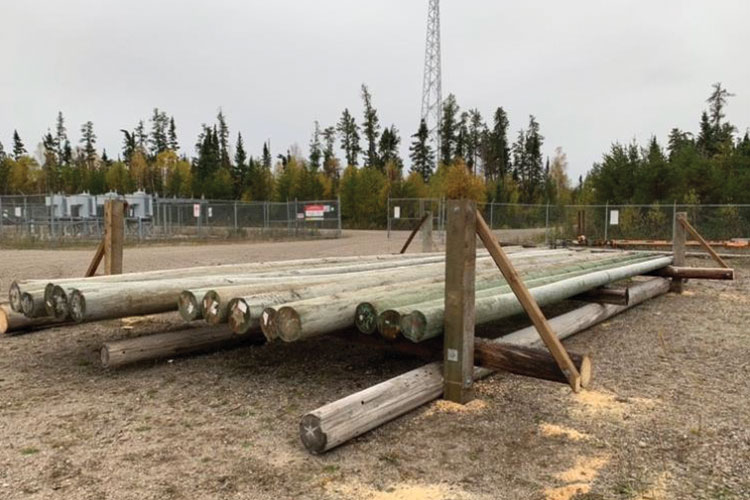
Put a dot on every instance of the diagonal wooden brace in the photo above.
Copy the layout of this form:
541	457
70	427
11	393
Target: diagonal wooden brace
529	305
414	232
682	219
98	256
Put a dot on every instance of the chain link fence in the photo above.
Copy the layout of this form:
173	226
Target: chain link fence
618	225
80	217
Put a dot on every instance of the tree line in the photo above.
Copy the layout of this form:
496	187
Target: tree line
359	160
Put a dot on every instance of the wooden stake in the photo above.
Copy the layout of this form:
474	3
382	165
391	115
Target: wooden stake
460	268
98	256
682	219
114	235
678	249
529	304
414	233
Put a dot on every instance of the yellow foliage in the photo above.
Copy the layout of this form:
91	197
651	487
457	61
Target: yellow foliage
458	183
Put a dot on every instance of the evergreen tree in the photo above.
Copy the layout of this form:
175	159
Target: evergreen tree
88	140
349	136
266	156
241	167
128	145
497	162
61	138
330	162
476	130
422	157
717	102
462	137
371	130
141	138
159	139
707	140
18	148
388	147
316	152
677	141
449	130
2	153
173	144
223	137
532	182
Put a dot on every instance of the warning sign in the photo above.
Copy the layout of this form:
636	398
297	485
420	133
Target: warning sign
316	212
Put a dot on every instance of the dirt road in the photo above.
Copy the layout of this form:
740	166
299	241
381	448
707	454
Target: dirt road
668	416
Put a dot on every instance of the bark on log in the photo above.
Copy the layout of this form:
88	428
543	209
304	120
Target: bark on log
33	305
342	420
167	345
699	273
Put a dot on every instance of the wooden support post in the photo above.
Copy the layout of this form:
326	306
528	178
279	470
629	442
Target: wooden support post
460	266
529	304
114	235
413	233
427	233
98	256
678	249
682	220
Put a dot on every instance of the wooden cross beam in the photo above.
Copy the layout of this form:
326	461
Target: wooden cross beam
519	288
414	232
682	219
98	256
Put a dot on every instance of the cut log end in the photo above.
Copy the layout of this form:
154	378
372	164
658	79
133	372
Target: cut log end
212	307
77	306
413	326
312	435
59	300
188	306
389	324
27	304
288	324
365	318
4	322
48	302
14	297
586	371
269	323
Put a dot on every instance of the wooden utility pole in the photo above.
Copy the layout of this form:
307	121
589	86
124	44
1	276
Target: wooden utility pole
460	266
114	235
678	248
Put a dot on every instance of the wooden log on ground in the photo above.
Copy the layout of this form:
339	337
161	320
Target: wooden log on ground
13	322
605	295
32	305
171	344
528	361
342	420
698	273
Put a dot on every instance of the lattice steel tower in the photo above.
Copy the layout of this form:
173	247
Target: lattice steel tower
432	93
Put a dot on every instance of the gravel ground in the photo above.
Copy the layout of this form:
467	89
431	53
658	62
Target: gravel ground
668	415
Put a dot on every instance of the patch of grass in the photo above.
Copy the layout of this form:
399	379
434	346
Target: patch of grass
143	428
330	469
29	451
83	362
390	458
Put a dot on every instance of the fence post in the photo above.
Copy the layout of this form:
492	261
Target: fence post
25	215
235	215
606	221
546	227
492	215
388	215
338	209
674	219
140	228
1	217
296	219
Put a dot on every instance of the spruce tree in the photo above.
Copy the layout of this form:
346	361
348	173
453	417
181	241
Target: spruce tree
316	152
462	137
266	156
61	137
173	144
158	140
534	180
88	140
2	153
223	137
349	136
449	130
371	130
498	148
240	169
128	145
141	138
18	148
388	147
476	129
330	162
422	157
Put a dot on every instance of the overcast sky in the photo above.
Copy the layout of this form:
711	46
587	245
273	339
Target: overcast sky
592	71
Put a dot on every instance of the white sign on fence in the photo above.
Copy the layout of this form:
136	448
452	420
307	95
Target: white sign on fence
210	211
197	210
19	212
396	212
614	217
